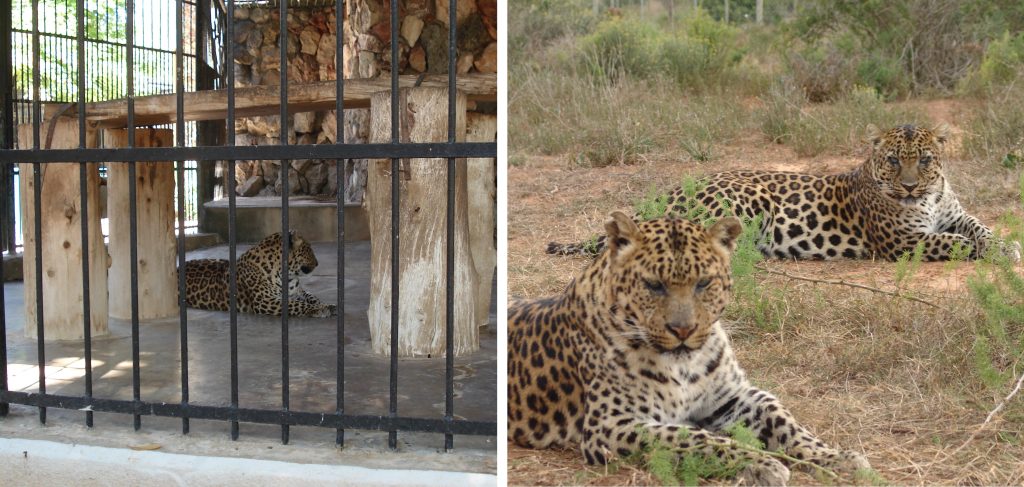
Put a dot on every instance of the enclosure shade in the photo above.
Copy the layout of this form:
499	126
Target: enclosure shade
61	226
421	253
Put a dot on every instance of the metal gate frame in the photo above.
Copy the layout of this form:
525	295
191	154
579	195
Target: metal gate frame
395	150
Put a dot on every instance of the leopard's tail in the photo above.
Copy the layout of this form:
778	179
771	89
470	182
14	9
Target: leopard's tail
591	247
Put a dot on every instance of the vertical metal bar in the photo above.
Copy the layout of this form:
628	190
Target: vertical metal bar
83	188
7	109
339	111
229	56
7	227
133	239
285	233
36	108
179	130
449	322
395	191
37	182
133	242
37	198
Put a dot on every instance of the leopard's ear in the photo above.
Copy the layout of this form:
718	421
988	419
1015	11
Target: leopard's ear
291	238
941	132
725	232
622	232
873	135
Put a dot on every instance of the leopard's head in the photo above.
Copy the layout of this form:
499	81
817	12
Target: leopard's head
667	280
905	161
301	259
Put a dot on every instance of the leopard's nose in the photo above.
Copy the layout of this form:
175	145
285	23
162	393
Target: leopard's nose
680	330
307	269
908	187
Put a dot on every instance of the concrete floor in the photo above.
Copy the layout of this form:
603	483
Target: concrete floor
312	369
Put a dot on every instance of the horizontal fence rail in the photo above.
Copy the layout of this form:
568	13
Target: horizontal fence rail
280	152
37	155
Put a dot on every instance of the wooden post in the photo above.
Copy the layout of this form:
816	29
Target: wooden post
61	232
421	254
157	275
482	187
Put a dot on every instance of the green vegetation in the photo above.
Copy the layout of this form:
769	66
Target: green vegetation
789	118
643	83
653	205
672	465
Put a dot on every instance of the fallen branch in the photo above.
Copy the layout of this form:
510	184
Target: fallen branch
1005	400
850	284
984	425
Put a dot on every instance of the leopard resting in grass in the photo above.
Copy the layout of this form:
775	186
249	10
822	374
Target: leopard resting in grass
635	342
896	200
259	280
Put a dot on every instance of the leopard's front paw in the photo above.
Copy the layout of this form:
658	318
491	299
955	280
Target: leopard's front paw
327	311
1011	249
764	471
848	462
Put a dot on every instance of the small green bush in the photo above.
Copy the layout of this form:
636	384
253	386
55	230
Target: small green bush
782	105
534	24
1001	64
622	47
699	53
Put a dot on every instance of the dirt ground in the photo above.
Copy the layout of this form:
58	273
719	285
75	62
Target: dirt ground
865	371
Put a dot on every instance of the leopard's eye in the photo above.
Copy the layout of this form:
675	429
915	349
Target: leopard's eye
655	287
924	160
895	161
703	284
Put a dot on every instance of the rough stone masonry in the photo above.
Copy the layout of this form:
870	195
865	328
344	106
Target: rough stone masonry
423	48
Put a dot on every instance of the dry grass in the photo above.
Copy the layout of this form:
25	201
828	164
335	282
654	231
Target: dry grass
868	372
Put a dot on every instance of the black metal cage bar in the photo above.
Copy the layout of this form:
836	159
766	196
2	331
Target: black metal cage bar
285	235
232	231
395	208
339	112
185	66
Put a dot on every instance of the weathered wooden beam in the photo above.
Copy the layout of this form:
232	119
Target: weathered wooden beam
422	226
265	100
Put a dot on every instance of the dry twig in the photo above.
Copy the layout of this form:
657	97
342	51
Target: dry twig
850	284
1005	400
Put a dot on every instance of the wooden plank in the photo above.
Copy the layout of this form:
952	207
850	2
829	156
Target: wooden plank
265	100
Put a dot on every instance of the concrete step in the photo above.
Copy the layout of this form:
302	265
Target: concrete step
257	217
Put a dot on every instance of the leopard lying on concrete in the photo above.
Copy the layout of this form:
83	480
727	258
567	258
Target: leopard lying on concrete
635	343
899	198
259	280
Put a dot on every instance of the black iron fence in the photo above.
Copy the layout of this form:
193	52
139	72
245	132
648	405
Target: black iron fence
36	156
45	67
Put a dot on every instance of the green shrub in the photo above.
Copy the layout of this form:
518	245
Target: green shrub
535	24
699	53
914	45
1000	65
622	47
782	105
821	73
884	74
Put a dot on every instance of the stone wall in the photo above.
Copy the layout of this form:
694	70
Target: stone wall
423	48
